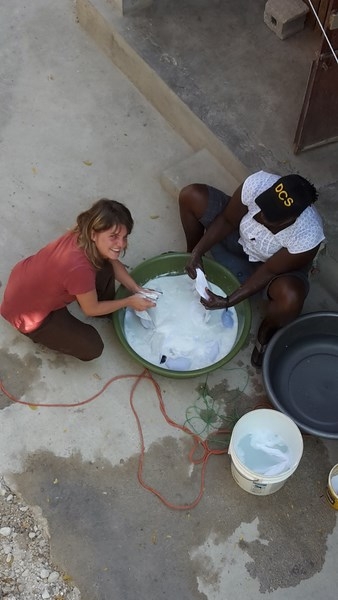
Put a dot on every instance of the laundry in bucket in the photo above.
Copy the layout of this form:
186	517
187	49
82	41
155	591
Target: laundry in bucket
201	283
180	363
145	319
182	335
264	453
227	319
144	316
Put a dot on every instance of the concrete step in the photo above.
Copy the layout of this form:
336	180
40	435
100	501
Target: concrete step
200	167
104	23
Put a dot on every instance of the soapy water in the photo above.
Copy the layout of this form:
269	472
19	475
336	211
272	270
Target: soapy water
180	333
264	453
227	319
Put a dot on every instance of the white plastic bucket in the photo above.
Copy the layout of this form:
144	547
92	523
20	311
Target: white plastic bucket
276	423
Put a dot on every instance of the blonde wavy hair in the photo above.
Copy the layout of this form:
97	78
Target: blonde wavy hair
103	215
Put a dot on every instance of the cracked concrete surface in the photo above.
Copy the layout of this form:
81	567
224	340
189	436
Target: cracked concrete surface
73	128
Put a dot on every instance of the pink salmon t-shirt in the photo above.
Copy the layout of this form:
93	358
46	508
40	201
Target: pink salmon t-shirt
46	281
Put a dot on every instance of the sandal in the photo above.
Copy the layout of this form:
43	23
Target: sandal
258	354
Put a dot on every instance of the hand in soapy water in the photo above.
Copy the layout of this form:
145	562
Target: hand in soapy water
149	293
194	263
214	302
140	302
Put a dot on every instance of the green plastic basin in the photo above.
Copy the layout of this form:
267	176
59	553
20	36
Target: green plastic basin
174	264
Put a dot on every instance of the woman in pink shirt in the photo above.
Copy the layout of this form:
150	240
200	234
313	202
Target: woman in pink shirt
81	265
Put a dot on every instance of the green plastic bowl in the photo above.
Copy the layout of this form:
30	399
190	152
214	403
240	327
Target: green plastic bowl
174	264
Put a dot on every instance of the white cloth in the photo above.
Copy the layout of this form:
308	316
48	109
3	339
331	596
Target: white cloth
258	242
264	452
201	283
182	335
145	318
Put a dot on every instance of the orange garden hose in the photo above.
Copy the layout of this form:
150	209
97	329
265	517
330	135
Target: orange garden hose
197	441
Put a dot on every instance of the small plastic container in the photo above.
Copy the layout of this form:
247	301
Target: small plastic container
277	423
332	487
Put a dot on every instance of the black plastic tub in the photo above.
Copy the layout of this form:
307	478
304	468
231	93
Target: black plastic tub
300	372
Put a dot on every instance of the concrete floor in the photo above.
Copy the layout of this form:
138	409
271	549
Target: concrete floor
74	128
233	72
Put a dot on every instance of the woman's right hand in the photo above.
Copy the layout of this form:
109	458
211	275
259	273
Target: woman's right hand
195	262
214	302
138	302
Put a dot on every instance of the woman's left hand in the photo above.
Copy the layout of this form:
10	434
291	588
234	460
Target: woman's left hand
214	302
149	293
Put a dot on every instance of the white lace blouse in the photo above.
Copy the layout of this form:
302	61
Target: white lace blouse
258	242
